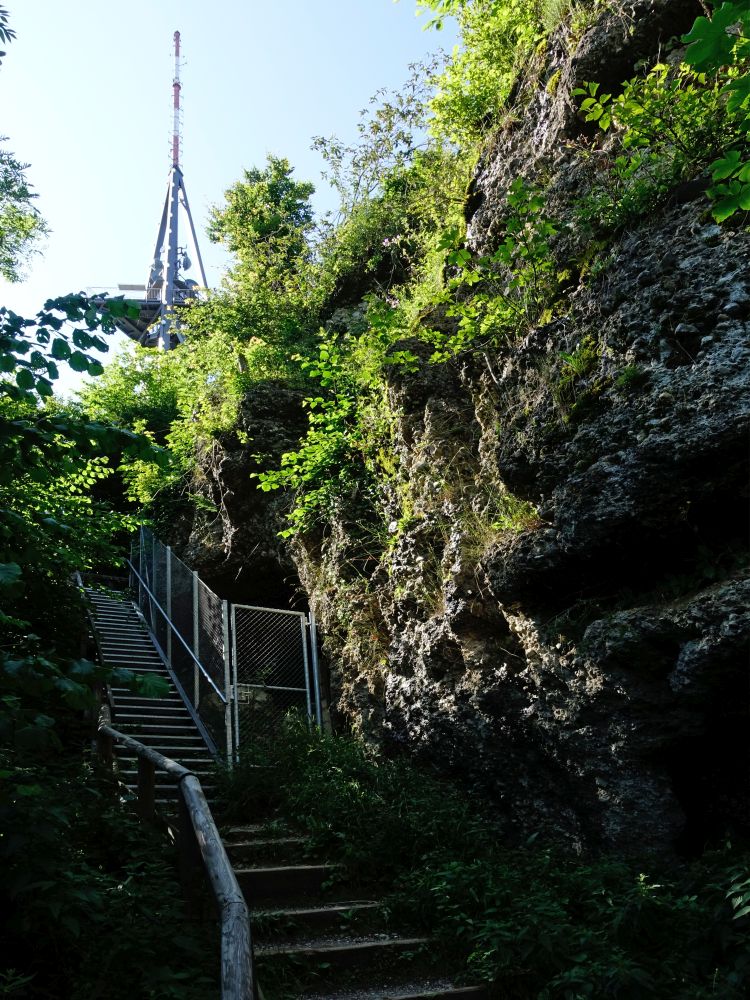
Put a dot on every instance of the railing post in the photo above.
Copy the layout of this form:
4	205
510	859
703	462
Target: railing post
140	568
196	641
306	665
315	667
104	744
146	789
235	685
105	747
188	852
152	583
169	605
227	680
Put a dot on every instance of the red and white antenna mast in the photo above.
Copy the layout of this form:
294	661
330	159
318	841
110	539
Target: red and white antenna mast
166	283
167	289
176	88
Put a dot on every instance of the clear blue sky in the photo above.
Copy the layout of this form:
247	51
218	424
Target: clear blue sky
85	92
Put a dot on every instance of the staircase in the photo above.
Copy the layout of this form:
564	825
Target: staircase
162	723
313	939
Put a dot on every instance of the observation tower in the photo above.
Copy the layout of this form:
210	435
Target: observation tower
176	251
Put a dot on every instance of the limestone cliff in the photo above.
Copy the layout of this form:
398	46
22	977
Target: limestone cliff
557	608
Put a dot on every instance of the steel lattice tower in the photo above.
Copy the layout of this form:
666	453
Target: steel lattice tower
166	288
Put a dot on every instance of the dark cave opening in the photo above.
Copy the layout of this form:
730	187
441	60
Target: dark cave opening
263	583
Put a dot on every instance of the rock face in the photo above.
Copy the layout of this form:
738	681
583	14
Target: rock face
556	608
589	668
233	542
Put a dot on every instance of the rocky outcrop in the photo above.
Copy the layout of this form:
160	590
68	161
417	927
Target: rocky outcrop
540	144
232	535
555	605
588	669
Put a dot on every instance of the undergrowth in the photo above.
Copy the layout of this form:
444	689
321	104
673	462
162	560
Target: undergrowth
91	903
532	919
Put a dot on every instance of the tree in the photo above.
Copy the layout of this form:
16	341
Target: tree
271	291
267	216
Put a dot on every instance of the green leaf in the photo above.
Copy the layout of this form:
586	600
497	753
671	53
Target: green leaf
739	91
60	349
729	198
79	362
726	166
709	44
151	685
24	379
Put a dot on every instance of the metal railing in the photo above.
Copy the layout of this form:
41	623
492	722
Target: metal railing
190	626
199	670
239	668
198	840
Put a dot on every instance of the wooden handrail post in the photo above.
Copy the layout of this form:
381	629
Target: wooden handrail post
146	789
188	854
104	741
201	854
106	752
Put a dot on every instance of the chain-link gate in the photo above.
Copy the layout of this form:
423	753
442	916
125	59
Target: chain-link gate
239	668
272	673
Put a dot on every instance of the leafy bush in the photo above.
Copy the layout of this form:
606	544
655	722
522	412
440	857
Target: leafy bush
672	123
497	39
82	875
531	919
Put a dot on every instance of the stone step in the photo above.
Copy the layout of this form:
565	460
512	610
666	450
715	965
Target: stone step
122	626
123	641
138	668
282	882
170	746
160	706
432	989
246	852
247	831
290	923
203	770
168	791
327	957
118	692
122	658
132	726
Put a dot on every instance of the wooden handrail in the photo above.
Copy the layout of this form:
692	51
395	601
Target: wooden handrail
197	834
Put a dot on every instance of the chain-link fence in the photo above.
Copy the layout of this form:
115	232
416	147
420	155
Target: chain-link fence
190	625
271	670
240	668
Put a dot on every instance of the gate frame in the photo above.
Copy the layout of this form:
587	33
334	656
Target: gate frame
310	666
